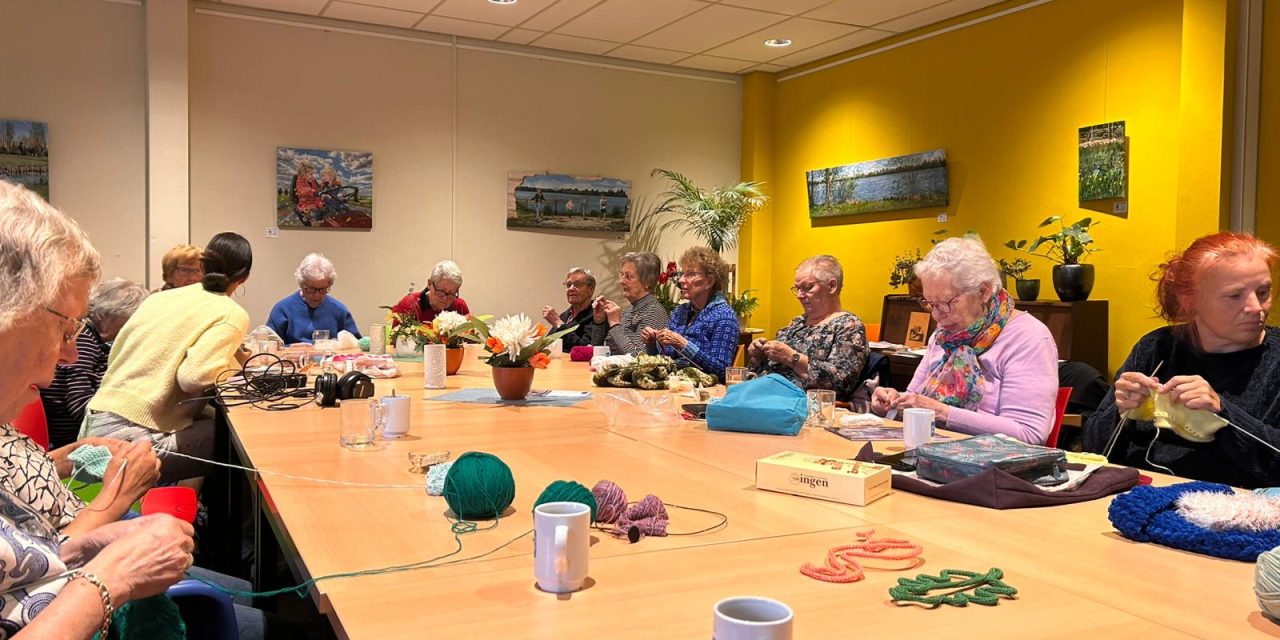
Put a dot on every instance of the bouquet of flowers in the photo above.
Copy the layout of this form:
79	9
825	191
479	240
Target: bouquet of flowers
668	292
517	341
449	328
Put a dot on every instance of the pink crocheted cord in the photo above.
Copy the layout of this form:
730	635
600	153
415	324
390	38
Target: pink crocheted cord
842	566
649	516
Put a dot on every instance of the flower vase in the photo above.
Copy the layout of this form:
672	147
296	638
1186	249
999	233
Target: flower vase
513	383
453	360
407	348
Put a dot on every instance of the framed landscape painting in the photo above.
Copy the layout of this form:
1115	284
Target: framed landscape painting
1103	162
912	181
565	202
317	189
24	154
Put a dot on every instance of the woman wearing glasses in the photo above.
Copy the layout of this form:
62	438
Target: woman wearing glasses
703	330
311	308
169	355
443	286
989	368
826	347
181	266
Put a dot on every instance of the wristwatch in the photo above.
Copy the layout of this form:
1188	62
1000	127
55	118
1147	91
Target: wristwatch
795	359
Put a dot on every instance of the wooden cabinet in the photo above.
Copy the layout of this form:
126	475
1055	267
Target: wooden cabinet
1080	329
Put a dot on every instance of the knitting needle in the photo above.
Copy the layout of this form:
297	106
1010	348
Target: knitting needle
1115	435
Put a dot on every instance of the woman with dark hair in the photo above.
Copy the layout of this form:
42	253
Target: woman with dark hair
169	354
1217	355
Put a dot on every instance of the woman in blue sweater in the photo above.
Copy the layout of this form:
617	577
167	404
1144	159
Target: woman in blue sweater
311	308
703	331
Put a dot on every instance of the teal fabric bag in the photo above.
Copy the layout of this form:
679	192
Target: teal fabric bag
771	405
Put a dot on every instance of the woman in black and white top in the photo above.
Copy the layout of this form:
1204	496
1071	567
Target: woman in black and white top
110	306
638	277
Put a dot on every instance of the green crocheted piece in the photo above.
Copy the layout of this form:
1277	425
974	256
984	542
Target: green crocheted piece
154	618
987	588
90	462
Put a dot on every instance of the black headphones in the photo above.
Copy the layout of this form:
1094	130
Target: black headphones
353	384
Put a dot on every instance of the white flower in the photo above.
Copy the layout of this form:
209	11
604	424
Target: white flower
516	332
449	321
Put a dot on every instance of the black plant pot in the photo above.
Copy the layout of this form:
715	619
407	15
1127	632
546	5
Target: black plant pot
1028	290
1073	282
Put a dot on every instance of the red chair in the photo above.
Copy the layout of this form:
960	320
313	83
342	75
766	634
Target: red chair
1064	394
33	424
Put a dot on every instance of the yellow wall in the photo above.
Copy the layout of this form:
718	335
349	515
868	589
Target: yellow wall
1005	99
1268	203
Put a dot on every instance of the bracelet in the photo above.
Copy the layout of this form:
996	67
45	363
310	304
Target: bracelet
108	610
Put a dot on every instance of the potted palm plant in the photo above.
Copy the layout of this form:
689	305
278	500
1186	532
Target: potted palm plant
714	215
1069	246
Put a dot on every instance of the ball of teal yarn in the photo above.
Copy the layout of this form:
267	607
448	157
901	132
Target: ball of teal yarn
435	478
1267	583
364	343
479	485
568	491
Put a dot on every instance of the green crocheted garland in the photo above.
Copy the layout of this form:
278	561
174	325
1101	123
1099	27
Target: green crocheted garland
988	588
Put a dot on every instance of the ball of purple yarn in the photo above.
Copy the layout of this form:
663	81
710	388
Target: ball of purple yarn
610	501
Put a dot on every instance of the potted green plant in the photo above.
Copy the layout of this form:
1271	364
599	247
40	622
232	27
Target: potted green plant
904	272
714	215
744	304
1028	289
1069	246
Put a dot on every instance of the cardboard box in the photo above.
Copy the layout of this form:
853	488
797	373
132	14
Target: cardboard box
835	479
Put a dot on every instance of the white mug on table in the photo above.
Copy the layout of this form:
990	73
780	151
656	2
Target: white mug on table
752	618
917	427
561	538
395	418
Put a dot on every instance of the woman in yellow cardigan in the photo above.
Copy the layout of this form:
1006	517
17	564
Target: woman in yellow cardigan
169	354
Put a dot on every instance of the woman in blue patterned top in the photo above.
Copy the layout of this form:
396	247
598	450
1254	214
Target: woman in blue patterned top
703	330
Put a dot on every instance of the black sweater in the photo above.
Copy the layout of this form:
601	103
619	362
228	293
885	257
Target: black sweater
1248	383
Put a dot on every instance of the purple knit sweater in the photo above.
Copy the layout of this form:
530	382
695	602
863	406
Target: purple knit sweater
1019	383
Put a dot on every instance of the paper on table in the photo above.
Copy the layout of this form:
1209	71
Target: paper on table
880	344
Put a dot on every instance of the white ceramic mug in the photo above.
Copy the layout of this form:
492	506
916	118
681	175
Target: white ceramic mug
395	410
752	618
556	347
561	537
599	352
917	427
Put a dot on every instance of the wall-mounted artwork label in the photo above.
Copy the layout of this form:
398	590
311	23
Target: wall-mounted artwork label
317	189
903	182
24	154
1103	160
564	202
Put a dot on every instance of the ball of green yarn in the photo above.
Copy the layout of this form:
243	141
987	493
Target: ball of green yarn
568	491
364	343
479	485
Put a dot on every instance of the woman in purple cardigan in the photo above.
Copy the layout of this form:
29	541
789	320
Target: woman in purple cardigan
989	368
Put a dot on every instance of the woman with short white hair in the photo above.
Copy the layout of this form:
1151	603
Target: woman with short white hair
299	314
110	306
62	589
440	294
989	368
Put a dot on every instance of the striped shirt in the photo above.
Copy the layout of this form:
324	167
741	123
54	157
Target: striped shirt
73	386
624	337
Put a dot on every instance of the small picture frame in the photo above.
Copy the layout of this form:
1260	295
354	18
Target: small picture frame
917	330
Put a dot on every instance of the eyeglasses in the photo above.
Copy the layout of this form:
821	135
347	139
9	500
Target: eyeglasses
189	271
315	291
690	274
436	290
941	307
80	323
575	285
807	288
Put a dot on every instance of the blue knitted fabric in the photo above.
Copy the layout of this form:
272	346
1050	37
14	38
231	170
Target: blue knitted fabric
1150	514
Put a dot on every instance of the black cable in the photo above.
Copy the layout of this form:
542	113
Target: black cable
266	385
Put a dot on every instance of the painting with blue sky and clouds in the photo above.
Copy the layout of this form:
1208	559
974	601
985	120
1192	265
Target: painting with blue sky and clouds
913	181
318	189
575	203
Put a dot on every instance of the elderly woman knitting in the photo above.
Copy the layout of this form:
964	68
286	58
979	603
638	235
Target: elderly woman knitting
703	331
299	314
989	368
1218	355
638	278
45	280
826	347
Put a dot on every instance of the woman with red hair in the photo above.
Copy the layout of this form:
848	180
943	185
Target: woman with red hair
1216	355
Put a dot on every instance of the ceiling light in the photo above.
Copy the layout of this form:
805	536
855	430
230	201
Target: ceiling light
502	1
771	42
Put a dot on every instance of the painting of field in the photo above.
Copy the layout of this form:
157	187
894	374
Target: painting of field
321	189
565	202
903	182
1103	156
24	154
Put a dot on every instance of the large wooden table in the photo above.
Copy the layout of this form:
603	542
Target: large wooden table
1076	576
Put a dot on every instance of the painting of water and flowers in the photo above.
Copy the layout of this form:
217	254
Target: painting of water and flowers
912	181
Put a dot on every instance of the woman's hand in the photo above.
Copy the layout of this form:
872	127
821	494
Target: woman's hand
650	335
550	315
1194	392
612	313
1132	389
755	350
778	352
918	401
884	399
147	560
62	455
673	339
139	475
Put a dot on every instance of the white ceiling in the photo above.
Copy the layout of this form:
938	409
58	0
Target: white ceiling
714	35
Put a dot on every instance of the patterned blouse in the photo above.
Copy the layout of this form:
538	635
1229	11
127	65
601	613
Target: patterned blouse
624	337
33	571
28	473
837	352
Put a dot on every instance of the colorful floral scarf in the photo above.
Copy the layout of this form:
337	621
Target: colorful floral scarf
954	379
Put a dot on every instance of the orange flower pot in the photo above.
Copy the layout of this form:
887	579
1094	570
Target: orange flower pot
453	360
513	383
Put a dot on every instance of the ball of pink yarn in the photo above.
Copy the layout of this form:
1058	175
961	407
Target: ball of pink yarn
610	501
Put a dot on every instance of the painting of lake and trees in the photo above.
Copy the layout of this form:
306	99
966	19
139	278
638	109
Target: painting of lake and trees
565	202
903	182
24	154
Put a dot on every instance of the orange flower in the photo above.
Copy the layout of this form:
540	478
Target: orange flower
495	345
540	331
539	360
